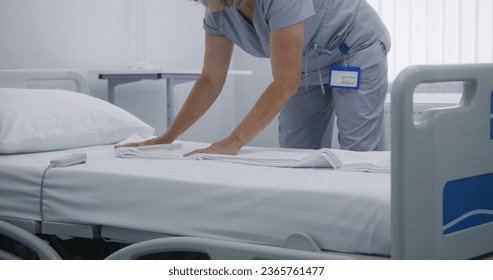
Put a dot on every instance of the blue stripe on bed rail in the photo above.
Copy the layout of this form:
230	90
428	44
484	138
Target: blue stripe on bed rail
491	117
467	203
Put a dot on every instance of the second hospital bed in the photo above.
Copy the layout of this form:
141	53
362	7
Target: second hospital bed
435	204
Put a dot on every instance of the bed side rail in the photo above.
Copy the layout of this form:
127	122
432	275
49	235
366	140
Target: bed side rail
219	250
442	167
44	251
21	78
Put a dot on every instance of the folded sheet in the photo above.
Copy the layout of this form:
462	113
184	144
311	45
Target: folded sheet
289	158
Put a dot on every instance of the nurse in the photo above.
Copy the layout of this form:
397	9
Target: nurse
328	58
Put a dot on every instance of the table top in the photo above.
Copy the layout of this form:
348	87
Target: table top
161	71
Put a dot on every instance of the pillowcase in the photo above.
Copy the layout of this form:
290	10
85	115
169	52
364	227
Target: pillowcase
39	120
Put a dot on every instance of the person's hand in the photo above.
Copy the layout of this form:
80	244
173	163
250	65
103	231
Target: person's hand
153	141
223	147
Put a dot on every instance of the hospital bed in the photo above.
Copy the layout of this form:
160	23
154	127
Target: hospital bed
437	202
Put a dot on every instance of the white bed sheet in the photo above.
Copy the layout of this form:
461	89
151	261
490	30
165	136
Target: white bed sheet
20	178
20	181
343	211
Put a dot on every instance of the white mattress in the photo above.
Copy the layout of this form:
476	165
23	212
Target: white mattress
20	179
343	211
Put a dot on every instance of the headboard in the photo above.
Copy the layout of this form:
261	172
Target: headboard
442	167
21	78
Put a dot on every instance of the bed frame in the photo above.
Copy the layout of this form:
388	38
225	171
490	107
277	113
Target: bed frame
23	78
442	167
442	179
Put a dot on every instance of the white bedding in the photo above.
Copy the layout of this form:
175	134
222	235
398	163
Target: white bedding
19	187
342	211
20	180
280	157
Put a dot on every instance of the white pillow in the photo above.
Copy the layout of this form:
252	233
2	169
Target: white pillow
38	120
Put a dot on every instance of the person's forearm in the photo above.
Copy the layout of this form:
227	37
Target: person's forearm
200	99
286	57
264	111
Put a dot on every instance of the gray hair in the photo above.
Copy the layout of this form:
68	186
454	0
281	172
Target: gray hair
228	3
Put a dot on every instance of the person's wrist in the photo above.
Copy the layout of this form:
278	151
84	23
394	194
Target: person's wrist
163	139
235	141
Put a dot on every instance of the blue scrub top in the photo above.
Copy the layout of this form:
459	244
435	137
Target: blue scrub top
328	24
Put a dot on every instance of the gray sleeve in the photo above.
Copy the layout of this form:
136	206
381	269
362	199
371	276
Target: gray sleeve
210	25
284	13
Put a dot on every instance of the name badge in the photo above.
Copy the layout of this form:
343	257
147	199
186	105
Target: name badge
344	77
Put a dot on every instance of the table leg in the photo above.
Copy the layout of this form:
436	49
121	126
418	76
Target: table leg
111	91
169	101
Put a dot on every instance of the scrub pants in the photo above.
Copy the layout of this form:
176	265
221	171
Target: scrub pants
306	120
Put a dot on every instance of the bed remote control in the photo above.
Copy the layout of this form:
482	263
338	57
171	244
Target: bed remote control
69	160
